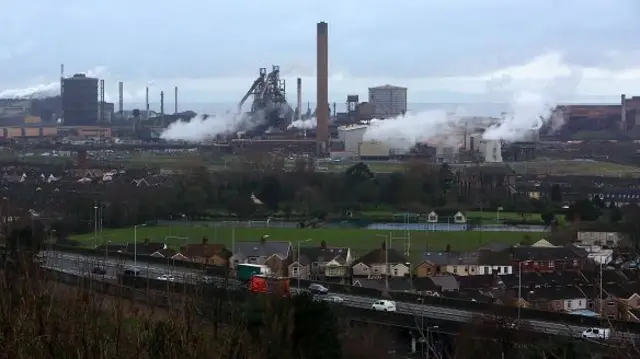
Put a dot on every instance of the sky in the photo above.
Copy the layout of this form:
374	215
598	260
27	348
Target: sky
442	50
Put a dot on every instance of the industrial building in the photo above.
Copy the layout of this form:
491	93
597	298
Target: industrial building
388	101
80	103
619	118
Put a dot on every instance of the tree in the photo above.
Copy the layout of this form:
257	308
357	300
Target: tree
445	178
582	210
526	240
556	194
548	217
615	215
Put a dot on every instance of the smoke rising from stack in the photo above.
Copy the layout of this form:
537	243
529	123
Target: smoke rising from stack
205	127
42	91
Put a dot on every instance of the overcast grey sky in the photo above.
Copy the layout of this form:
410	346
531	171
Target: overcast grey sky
443	50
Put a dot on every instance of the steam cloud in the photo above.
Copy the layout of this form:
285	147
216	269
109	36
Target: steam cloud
204	127
42	91
530	108
304	124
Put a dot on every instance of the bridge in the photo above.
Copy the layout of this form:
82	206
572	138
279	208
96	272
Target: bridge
415	332
424	307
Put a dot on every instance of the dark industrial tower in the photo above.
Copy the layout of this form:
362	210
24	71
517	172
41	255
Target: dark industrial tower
322	81
80	100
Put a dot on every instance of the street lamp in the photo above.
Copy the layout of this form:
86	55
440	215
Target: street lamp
95	224
298	259
135	244
386	258
429	339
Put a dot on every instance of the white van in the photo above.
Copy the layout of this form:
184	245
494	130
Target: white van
384	306
597	333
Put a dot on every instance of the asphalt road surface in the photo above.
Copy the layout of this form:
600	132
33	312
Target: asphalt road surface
74	263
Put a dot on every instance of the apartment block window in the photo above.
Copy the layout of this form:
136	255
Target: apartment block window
295	271
395	272
455	269
569	304
611	303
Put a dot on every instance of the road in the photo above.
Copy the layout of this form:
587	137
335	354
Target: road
78	264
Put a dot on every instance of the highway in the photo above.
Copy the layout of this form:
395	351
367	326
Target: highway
78	264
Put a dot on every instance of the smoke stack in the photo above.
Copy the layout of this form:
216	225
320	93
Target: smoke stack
623	110
147	101
299	103
162	102
175	100
101	116
61	91
322	82
121	99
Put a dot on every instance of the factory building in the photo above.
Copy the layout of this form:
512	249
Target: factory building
352	136
388	101
80	100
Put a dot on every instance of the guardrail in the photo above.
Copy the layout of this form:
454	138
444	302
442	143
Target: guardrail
497	310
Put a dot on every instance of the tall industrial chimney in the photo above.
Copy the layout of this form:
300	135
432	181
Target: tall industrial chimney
147	102
101	116
299	103
623	114
121	100
322	82
175	100
162	107
61	91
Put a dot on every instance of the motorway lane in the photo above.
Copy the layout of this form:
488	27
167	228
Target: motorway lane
83	264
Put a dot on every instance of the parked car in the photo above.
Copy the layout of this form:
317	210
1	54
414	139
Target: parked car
384	306
318	289
167	277
99	270
333	299
597	333
131	272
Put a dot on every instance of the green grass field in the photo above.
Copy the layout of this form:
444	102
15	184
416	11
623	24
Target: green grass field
359	240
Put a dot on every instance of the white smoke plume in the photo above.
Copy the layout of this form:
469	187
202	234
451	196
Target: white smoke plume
42	91
199	128
530	108
307	124
204	127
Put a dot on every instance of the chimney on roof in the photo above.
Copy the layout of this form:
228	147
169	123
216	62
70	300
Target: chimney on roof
323	244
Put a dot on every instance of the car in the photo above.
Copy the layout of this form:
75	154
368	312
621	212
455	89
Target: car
318	289
131	272
333	299
384	306
99	270
597	333
167	277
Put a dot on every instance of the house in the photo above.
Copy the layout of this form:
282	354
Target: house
381	261
543	243
443	216
277	255
322	263
399	284
458	263
146	248
544	259
600	238
169	254
447	283
207	253
556	299
492	262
